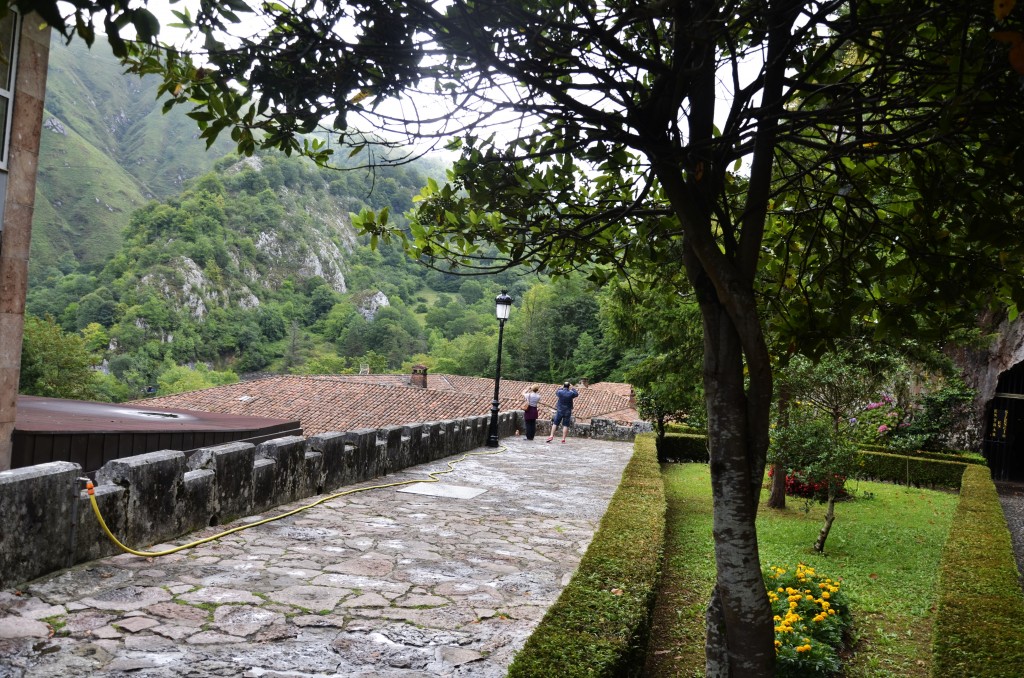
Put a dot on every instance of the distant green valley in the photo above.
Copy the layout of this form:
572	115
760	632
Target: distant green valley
158	266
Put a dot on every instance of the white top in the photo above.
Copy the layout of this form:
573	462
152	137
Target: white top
532	398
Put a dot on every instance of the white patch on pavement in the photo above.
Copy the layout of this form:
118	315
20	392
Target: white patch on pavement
442	490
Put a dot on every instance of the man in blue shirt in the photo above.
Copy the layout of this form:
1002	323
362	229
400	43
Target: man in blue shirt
563	411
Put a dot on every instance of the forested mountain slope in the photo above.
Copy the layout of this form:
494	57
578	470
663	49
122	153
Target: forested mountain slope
235	270
106	150
178	267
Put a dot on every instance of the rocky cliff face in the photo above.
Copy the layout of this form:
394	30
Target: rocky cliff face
320	257
982	367
370	303
190	289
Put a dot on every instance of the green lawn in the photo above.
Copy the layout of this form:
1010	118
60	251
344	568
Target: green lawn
885	545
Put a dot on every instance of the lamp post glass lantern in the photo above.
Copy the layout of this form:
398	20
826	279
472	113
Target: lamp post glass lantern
502	307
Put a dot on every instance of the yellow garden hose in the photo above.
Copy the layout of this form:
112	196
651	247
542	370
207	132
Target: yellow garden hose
152	554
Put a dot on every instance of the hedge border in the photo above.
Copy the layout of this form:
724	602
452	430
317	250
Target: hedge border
600	623
918	469
909	470
684	447
979	622
964	456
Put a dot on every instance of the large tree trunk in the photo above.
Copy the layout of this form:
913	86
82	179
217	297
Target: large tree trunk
738	396
740	611
721	262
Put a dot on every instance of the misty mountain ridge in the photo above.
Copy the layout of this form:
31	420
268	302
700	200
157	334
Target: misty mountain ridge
107	151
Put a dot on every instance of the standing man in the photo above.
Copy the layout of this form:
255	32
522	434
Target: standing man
563	412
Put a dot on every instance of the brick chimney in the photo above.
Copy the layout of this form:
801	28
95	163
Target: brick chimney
419	376
632	398
584	382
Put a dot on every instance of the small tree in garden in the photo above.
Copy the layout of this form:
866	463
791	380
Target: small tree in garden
658	408
837	385
660	403
821	453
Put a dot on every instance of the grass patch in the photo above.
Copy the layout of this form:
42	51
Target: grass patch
57	623
688	574
886	549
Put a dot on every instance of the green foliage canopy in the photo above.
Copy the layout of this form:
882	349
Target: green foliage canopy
56	364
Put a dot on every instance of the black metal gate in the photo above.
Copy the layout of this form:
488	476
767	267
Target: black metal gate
1004	427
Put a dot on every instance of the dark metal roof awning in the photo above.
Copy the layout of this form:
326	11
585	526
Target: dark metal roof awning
91	433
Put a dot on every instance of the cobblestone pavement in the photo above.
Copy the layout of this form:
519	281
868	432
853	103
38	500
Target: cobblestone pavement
384	583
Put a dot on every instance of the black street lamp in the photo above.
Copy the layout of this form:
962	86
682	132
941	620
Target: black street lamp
502	306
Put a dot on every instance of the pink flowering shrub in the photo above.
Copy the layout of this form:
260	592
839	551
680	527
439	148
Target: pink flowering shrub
880	420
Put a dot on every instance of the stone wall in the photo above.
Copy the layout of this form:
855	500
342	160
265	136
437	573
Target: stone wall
47	521
606	429
601	429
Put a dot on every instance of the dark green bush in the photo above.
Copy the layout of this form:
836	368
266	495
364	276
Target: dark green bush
916	471
979	622
943	412
599	626
683	447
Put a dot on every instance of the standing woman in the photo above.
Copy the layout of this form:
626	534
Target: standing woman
532	397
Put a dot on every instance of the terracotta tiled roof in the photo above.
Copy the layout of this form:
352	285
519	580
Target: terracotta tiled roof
350	402
436	382
619	389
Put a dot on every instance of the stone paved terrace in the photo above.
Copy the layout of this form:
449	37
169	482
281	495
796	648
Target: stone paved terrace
384	583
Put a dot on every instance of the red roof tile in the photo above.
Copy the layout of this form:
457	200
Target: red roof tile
349	402
621	390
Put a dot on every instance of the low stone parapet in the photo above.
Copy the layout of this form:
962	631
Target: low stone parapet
47	522
600	429
37	507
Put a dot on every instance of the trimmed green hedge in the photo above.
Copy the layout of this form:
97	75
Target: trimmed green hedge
600	624
979	623
684	447
916	471
965	456
962	457
674	427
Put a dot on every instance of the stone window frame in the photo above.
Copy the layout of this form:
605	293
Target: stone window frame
9	39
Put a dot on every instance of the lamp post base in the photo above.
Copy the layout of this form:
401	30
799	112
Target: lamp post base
492	432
